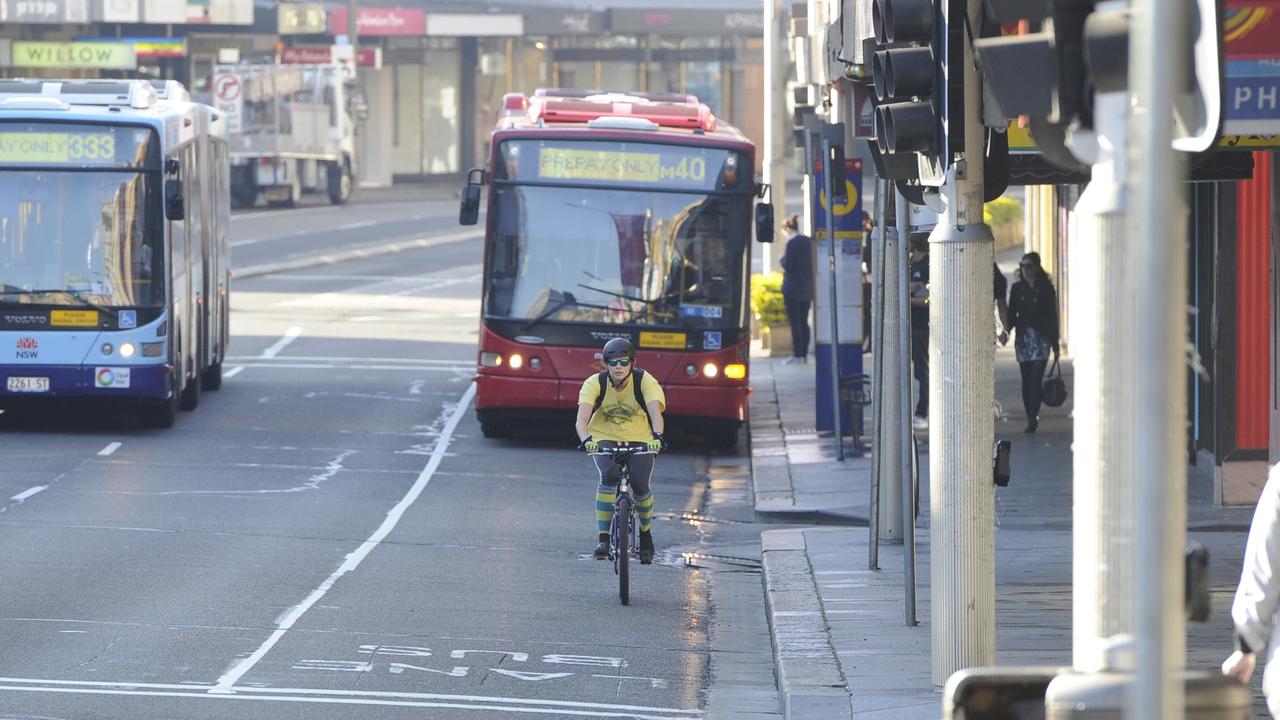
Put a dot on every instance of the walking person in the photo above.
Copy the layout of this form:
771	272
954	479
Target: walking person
797	287
1253	611
1033	315
918	275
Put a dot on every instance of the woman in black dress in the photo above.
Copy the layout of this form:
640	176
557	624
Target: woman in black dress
1033	314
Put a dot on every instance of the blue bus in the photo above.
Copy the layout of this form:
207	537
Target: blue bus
114	258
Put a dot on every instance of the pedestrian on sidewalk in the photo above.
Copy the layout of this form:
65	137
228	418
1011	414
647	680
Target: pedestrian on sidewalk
1258	597
919	290
1033	314
797	287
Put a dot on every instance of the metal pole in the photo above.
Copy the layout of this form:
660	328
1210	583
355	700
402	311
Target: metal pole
891	412
776	137
834	310
1102	332
1158	242
877	375
353	30
902	310
961	398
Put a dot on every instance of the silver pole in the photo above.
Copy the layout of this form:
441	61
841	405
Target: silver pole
961	399
1102	332
832	298
1158	237
902	311
353	30
877	375
776	137
891	412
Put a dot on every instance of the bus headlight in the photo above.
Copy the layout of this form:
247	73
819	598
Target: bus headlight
127	349
710	370
534	363
490	359
735	371
691	370
107	349
516	361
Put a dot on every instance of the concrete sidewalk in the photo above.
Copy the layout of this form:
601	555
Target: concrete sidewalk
841	645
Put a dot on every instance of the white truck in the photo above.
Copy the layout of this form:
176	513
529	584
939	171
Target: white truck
292	130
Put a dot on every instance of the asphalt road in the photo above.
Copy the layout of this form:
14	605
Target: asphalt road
329	536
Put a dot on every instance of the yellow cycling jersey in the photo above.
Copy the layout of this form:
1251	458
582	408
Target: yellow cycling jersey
620	418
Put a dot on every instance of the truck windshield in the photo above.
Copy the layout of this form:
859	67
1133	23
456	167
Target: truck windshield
616	256
94	234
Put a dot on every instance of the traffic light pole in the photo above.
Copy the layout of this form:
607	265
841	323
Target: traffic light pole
902	303
889	350
961	401
1158	265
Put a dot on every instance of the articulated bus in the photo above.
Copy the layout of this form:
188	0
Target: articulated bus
114	258
615	215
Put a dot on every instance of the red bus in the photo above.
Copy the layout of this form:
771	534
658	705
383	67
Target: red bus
615	215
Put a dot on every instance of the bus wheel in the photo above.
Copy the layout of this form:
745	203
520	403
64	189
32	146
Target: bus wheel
164	413
191	393
340	183
721	438
495	427
212	379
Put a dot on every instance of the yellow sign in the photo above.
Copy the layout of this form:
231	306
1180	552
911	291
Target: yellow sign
618	166
662	340
1249	142
851	202
74	318
58	147
69	55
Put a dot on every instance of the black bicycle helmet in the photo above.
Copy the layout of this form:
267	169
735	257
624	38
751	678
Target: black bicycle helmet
618	347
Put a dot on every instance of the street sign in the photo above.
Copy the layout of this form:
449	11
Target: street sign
228	97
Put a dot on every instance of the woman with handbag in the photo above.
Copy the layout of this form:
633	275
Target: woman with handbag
1033	314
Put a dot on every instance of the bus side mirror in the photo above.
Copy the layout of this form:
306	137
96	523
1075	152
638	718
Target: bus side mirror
469	214
764	222
174	205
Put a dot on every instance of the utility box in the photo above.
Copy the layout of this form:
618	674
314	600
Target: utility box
1102	696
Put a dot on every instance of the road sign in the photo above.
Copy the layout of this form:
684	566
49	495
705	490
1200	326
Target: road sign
228	97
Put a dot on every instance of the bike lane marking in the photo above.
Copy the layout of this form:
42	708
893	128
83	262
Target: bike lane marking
227	682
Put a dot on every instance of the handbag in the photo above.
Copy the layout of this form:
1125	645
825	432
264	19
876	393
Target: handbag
1054	392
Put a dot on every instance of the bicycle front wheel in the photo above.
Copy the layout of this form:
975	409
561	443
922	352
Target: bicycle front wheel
623	544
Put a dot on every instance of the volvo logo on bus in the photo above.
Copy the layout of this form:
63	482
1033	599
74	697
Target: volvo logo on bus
28	348
603	335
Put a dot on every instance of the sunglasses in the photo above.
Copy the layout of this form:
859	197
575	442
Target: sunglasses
618	362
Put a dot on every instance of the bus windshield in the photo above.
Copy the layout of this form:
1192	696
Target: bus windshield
93	234
606	255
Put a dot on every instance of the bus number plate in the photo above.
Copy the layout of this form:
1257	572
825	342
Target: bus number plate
28	384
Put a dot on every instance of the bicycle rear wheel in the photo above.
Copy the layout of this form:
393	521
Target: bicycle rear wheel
622	542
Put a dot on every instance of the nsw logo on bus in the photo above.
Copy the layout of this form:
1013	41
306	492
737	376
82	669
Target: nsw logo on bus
27	348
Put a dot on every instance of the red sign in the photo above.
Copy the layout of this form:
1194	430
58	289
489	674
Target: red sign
380	22
366	57
1251	29
28	343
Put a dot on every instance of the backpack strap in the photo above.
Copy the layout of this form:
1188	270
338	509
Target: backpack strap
603	377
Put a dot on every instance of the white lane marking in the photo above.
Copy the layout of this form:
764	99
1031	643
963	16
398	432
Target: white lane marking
110	449
416	387
229	679
289	336
28	493
248	692
314	482
233	372
301	233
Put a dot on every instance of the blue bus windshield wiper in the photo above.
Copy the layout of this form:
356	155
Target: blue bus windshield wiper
73	294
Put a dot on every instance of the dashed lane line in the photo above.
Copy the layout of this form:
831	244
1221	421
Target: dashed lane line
28	492
289	336
110	449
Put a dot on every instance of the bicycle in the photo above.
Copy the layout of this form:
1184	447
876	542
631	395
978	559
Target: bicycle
624	531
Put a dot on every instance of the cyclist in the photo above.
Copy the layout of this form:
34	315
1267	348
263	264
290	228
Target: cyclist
622	407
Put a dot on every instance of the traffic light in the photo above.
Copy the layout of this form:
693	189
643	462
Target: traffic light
909	71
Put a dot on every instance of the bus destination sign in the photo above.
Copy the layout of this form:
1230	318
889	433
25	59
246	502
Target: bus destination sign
646	165
75	145
619	166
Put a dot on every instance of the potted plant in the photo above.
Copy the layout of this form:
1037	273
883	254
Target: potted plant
770	313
